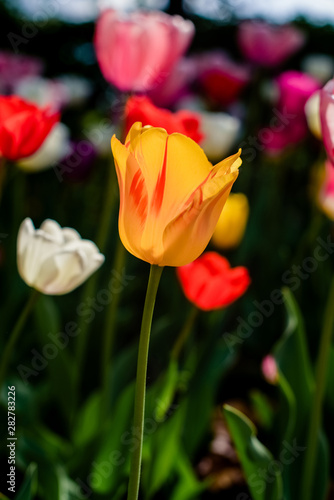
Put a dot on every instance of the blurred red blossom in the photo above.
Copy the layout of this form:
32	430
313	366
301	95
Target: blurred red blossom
268	45
210	283
136	51
23	127
141	109
327	117
221	79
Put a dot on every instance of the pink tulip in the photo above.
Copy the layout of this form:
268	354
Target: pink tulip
268	45
327	117
136	51
295	88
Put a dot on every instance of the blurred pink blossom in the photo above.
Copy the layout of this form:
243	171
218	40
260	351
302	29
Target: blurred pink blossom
295	88
177	84
326	191
269	369
15	67
268	45
327	117
137	50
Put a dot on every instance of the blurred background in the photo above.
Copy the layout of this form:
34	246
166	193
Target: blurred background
288	193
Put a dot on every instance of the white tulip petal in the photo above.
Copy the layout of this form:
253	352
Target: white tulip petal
70	234
52	231
55	260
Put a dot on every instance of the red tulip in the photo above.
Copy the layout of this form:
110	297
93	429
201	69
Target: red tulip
268	45
327	117
137	51
23	127
221	78
141	109
210	283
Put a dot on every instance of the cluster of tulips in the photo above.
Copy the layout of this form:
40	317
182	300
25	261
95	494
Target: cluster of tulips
181	117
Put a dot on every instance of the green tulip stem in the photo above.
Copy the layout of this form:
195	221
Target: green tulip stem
14	336
311	452
139	410
185	332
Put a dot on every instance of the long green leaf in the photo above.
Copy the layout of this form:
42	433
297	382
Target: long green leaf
262	473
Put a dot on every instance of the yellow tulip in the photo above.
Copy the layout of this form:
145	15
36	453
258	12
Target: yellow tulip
232	222
170	194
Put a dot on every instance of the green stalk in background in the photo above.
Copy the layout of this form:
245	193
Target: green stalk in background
318	399
14	336
185	332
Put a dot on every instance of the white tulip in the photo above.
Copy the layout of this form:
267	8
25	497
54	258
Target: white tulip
55	147
220	133
312	113
55	260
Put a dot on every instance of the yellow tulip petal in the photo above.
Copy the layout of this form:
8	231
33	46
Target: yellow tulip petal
187	236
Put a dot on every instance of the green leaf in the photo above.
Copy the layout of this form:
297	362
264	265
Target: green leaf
88	420
330	381
29	486
167	393
54	349
164	441
200	399
296	382
188	486
263	477
55	484
293	360
118	441
263	408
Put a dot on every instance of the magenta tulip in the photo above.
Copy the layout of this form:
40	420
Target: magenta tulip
268	45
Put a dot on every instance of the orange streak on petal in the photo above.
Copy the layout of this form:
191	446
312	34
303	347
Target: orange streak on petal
159	190
138	195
